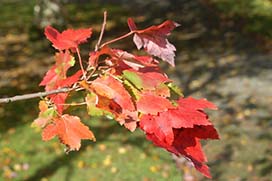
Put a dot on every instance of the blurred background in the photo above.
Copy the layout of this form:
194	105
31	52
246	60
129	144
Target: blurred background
224	50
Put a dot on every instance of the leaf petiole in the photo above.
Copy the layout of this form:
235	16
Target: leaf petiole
117	39
81	65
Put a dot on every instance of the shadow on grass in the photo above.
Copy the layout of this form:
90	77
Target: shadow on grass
17	114
103	133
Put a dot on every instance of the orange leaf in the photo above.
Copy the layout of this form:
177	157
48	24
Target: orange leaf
111	88
70	131
152	104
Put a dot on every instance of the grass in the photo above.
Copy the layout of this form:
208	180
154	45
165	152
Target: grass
117	155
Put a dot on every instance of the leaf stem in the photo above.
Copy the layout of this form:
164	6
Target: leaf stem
98	44
80	63
117	39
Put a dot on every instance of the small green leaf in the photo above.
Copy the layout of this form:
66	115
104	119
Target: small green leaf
174	89
91	106
131	90
57	71
49	113
133	78
72	61
94	111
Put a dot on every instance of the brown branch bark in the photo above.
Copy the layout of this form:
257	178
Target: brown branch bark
34	95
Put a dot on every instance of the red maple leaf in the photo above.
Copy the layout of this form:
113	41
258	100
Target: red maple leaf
187	143
69	81
127	60
128	118
179	130
121	60
67	39
59	99
69	130
113	97
146	78
196	104
154	40
162	122
185	115
111	88
94	56
56	78
152	104
58	72
45	116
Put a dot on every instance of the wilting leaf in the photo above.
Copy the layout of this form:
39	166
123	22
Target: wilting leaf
154	40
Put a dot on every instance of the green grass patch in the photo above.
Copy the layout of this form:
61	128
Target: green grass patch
117	155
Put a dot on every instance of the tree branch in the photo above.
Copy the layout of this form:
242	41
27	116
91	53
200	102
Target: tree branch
34	95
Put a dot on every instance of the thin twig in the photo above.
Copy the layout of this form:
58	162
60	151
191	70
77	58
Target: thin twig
97	46
102	31
34	95
117	39
80	63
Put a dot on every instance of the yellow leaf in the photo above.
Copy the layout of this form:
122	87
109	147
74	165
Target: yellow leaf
80	164
122	150
107	160
113	169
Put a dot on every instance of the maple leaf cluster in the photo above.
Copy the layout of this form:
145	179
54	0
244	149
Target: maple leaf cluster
127	87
